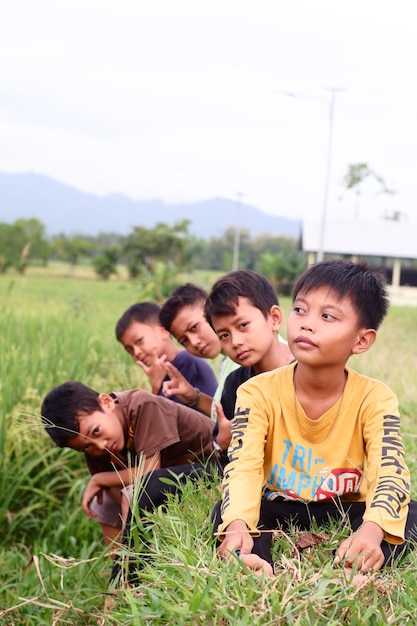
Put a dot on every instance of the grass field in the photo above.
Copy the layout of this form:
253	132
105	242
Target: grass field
53	566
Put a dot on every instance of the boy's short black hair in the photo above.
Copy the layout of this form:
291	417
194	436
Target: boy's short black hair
364	286
143	312
185	295
61	410
226	291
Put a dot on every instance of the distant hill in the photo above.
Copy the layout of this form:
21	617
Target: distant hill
64	209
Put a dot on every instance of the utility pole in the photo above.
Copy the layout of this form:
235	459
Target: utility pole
322	227
236	243
320	251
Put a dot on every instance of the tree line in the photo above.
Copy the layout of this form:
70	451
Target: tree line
164	249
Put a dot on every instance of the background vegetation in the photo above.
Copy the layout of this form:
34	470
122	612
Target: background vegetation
144	251
54	568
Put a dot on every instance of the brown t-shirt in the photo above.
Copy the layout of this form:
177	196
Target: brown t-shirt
157	425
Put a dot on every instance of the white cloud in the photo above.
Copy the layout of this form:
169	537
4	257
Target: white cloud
186	99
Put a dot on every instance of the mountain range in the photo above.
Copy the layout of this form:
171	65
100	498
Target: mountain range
66	210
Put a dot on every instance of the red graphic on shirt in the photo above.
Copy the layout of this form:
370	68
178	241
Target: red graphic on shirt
339	483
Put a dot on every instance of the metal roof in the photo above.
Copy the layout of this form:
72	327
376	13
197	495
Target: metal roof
386	238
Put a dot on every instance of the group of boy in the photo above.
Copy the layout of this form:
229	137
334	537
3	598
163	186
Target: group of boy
296	428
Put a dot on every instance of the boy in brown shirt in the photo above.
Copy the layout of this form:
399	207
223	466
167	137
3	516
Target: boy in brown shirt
126	437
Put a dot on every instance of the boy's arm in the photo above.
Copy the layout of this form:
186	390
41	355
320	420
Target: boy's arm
244	475
106	480
389	483
387	473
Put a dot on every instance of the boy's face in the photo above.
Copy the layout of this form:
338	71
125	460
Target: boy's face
323	329
101	432
191	329
247	336
144	342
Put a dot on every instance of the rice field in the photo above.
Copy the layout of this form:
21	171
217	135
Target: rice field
54	567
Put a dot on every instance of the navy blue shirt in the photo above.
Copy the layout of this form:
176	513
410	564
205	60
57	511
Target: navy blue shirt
196	370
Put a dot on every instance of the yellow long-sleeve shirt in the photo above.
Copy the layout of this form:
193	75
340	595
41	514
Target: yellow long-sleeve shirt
353	451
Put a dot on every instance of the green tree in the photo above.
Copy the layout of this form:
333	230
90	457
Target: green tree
11	246
22	242
215	254
72	249
34	233
355	177
394	216
144	247
283	269
105	264
156	283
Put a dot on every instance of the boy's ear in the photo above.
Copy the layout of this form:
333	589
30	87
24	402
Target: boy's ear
276	316
106	401
365	340
165	334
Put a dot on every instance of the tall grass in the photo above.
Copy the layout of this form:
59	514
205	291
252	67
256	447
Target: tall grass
53	565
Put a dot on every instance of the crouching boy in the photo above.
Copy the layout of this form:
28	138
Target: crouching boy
125	436
315	439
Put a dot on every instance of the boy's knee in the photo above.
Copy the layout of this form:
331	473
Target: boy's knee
108	513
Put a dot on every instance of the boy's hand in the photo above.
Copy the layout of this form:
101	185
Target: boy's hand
237	539
92	489
362	550
155	370
224	425
258	565
177	385
238	543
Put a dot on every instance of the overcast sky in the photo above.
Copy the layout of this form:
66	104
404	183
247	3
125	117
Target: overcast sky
186	100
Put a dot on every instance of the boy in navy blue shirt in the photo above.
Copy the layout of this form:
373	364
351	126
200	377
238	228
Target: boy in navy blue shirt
150	345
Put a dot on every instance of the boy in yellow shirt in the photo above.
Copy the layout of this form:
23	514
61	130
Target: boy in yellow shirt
315	439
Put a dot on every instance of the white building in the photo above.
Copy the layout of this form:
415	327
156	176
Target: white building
386	239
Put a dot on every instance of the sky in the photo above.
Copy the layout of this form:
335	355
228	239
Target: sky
266	102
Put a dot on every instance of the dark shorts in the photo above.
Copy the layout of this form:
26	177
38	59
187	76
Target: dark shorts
281	513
